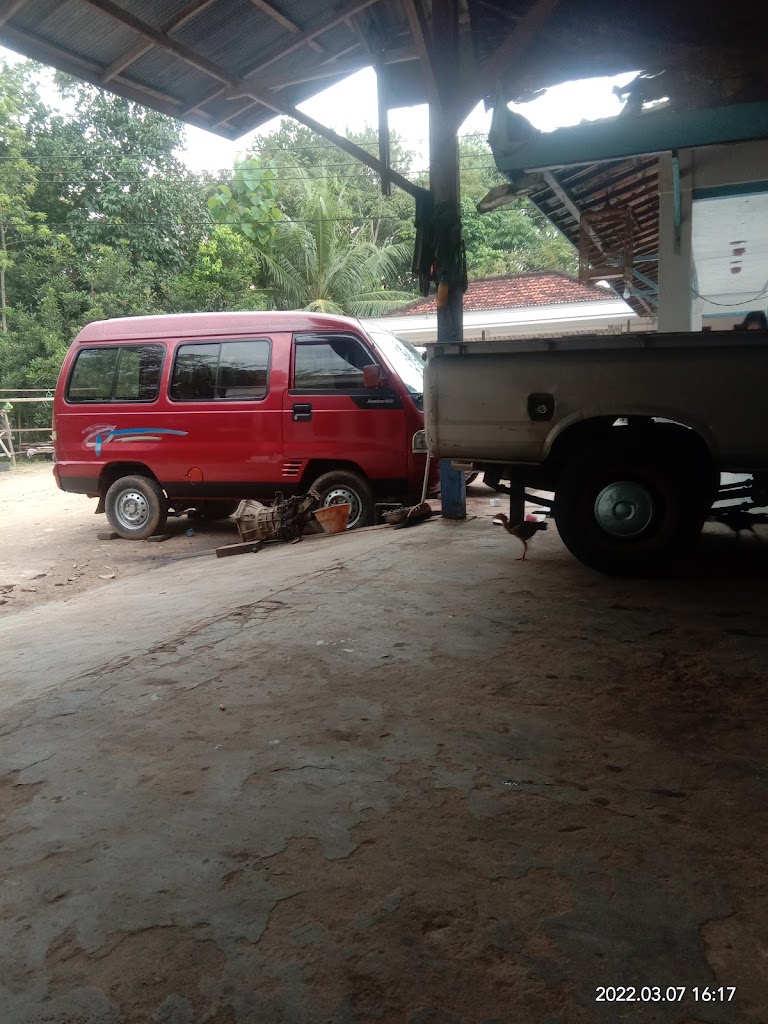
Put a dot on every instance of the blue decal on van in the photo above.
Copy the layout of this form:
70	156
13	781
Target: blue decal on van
100	436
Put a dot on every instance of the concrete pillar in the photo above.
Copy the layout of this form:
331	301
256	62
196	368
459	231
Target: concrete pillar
675	251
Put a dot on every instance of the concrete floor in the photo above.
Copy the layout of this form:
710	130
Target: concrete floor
390	777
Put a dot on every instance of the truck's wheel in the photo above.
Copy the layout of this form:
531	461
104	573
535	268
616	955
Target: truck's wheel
340	487
136	507
212	509
627	509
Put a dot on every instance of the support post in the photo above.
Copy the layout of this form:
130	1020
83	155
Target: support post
384	154
675	248
445	186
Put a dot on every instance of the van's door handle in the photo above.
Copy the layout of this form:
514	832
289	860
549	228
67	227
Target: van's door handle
302	412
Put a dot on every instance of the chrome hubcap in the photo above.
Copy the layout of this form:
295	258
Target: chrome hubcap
132	510
344	496
624	509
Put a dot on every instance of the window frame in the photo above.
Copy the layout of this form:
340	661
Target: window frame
321	338
218	341
115	373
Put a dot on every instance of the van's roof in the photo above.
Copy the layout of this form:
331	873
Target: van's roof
176	325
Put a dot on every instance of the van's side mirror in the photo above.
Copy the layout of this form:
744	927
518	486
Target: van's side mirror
372	376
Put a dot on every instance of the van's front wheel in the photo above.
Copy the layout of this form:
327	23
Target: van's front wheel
136	507
340	487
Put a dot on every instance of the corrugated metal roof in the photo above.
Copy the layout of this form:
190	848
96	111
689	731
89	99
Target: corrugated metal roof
230	39
628	184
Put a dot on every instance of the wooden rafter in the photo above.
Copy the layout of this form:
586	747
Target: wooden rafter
131	56
423	44
519	38
8	8
90	71
287	24
239	87
295	45
305	37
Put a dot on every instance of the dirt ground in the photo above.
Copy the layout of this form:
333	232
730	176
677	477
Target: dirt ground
49	548
382	778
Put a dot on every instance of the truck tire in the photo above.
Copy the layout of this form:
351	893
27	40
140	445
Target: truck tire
340	487
628	509
213	509
136	507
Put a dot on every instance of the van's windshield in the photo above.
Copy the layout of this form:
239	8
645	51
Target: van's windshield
405	360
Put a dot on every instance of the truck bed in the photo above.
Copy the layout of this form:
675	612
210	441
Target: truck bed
481	397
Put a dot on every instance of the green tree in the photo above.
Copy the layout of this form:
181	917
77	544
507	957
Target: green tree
223	273
324	262
110	175
18	177
247	202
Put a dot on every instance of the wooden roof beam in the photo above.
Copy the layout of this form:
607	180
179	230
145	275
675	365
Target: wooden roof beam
527	28
295	45
290	26
238	87
8	8
131	56
306	37
423	42
90	71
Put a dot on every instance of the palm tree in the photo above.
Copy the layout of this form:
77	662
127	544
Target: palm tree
324	262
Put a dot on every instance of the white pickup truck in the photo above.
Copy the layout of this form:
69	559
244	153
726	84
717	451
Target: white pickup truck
630	432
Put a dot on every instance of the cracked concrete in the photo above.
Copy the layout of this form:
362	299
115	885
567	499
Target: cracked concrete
445	788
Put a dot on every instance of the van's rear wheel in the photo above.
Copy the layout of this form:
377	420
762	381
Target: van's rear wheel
136	507
340	487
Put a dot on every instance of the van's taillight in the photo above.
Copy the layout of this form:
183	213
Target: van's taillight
53	426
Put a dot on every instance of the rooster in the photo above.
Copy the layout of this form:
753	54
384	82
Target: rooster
524	531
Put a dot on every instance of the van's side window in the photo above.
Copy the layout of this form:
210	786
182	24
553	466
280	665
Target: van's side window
120	373
229	370
334	363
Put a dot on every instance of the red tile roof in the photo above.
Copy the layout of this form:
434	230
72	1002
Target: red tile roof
542	288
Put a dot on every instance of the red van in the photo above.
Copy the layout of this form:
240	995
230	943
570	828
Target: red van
160	414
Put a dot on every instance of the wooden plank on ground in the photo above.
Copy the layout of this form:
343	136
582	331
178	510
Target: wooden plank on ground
239	549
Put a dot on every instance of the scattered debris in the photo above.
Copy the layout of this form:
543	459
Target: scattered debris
239	549
403	516
111	576
274	743
218	746
39	575
158	538
29	590
348	650
155	696
6	588
107	535
189	533
285	520
333	518
222	708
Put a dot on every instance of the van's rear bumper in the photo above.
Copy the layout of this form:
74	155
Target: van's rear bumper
76	484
